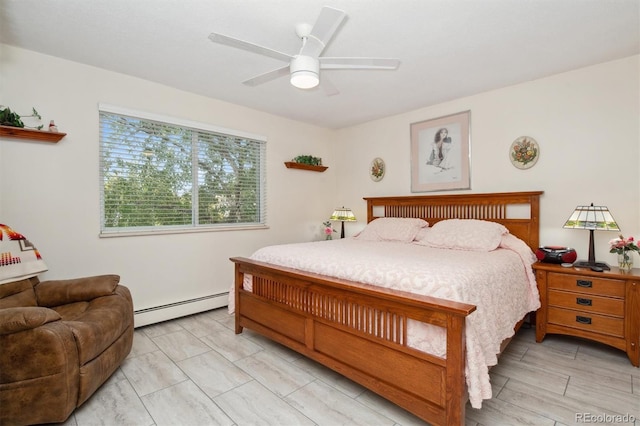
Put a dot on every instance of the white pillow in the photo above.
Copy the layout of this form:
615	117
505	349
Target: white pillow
514	243
421	235
465	234
401	229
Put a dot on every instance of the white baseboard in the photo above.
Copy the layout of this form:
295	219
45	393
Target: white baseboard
179	309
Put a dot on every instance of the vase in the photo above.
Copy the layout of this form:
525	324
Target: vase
625	260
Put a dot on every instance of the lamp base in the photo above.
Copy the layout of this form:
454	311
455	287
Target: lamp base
587	264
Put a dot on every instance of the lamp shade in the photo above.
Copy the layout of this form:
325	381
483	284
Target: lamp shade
19	259
343	214
593	217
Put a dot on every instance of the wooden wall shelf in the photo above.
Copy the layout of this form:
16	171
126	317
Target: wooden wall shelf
38	135
294	165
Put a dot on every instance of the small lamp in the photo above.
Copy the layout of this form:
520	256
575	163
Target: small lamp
593	218
19	259
343	215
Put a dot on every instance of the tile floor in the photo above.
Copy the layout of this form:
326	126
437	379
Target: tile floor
196	371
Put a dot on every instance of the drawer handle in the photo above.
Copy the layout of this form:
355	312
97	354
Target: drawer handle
584	283
583	320
583	302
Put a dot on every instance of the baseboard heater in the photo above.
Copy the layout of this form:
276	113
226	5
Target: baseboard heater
179	309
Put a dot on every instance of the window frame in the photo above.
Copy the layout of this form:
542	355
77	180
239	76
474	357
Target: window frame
193	227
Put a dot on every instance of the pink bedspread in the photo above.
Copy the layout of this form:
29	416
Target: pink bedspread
500	283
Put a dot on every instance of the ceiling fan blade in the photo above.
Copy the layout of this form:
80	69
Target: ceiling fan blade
328	87
358	63
251	47
268	76
323	30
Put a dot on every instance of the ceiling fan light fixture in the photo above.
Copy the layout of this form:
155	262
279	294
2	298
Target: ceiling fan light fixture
305	79
305	72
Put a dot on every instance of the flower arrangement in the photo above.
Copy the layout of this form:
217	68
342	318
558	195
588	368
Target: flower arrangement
623	246
328	230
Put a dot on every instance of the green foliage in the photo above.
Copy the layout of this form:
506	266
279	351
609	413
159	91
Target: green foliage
308	159
10	118
148	177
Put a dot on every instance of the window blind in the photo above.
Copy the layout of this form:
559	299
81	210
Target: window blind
159	176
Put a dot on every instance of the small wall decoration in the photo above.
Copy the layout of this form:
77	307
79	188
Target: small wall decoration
377	169
440	150
524	152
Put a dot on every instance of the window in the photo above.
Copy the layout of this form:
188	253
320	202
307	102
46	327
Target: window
159	174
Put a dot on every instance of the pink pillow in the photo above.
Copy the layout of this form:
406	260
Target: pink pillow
401	229
465	234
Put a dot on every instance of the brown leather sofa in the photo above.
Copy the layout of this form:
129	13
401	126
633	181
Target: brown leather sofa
59	342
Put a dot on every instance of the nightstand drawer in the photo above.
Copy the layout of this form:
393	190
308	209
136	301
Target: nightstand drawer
587	321
584	284
587	302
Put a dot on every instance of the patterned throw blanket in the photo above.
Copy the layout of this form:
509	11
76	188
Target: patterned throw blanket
19	259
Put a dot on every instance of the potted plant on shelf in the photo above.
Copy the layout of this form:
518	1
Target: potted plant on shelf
306	162
13	119
12	126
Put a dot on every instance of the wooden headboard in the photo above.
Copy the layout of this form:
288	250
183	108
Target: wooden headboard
495	207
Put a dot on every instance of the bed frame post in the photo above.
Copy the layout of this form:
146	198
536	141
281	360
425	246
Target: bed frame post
237	287
534	237
456	383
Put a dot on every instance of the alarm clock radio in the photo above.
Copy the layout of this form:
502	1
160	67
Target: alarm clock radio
556	254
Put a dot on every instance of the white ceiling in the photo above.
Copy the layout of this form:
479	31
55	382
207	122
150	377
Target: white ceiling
448	48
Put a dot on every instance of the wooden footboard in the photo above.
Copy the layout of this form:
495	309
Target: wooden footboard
360	331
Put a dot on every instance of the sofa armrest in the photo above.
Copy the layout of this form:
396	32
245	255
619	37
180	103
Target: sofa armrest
39	373
62	292
14	320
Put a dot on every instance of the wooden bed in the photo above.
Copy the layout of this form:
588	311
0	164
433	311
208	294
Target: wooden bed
359	330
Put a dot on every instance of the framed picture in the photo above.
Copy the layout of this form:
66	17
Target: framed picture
440	150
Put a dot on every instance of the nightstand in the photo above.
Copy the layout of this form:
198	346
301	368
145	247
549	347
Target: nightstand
601	306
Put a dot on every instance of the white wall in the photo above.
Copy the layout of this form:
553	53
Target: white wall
586	123
50	192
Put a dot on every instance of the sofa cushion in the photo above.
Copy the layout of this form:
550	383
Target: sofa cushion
96	324
60	292
13	320
17	294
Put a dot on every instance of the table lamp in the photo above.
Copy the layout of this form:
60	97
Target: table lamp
343	215
593	218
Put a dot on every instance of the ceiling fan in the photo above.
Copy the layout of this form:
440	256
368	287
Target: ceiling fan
304	67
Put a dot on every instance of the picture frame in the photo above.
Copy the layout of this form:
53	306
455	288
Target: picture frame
440	153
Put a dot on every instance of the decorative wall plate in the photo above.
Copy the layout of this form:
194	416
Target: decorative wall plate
377	169
524	152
